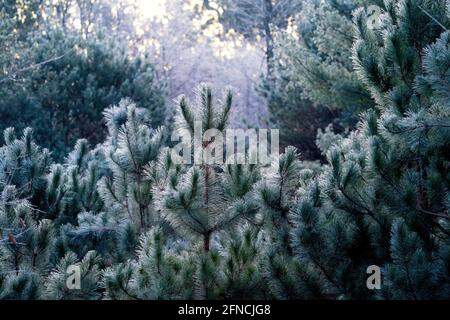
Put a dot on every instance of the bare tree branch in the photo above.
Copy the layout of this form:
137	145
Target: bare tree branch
34	66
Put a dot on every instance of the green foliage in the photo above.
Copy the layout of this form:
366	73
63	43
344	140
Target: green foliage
276	194
138	224
382	198
297	117
56	283
195	199
319	56
132	152
63	99
313	83
158	273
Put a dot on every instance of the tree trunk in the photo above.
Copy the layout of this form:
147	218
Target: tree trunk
206	240
268	15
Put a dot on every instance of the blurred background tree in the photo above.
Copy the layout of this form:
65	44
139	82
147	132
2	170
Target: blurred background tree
313	83
64	99
63	77
256	20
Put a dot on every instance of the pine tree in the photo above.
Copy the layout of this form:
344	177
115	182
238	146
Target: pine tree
194	201
143	218
132	152
277	194
29	235
25	247
383	197
208	199
313	83
68	94
110	192
321	57
159	272
56	284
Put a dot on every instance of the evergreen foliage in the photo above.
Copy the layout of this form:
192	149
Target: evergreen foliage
63	99
314	84
383	197
194	201
138	224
